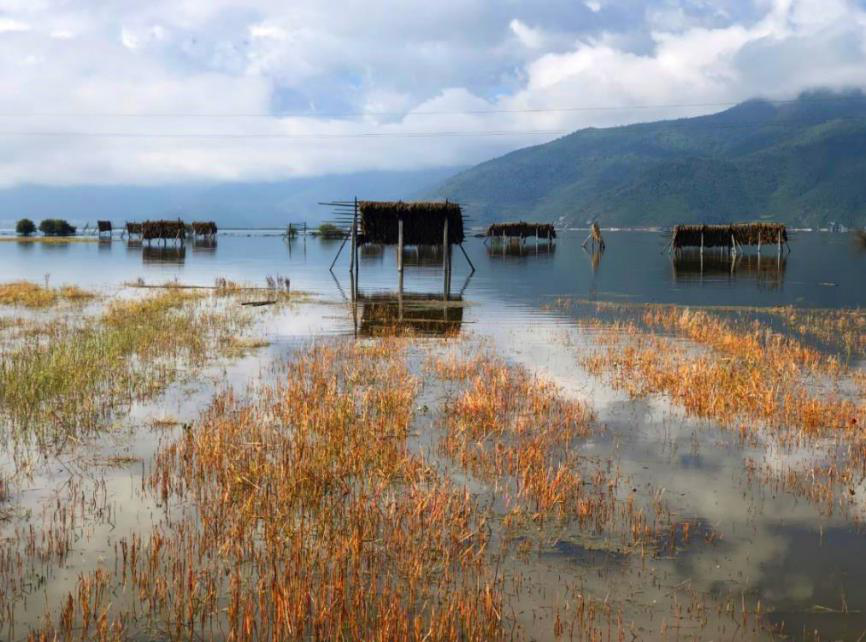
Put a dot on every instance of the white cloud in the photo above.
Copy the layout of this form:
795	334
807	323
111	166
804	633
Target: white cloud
377	75
9	24
529	37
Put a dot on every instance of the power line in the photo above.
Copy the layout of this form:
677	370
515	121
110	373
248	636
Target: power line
682	124
445	134
465	112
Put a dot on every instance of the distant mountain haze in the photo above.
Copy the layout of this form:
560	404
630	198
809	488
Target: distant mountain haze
272	204
801	162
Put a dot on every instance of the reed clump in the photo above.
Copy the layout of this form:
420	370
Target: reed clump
71	377
741	374
522	435
32	295
303	515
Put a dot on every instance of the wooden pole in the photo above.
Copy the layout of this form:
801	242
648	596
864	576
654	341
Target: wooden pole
400	245
445	243
354	238
466	256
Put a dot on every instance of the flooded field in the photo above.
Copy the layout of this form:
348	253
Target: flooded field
218	442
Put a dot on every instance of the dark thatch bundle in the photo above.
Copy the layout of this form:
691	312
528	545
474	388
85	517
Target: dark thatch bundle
204	228
166	230
422	315
722	235
422	222
522	230
133	228
103	226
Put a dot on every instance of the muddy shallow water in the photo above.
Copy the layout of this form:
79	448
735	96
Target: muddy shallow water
759	557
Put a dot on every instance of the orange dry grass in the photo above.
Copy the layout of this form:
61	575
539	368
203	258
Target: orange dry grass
308	518
32	295
747	373
520	432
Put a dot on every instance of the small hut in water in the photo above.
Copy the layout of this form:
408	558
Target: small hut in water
729	238
402	224
164	231
133	229
204	229
522	230
103	227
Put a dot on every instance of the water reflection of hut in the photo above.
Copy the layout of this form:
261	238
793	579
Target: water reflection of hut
204	245
691	267
728	238
515	248
419	314
172	255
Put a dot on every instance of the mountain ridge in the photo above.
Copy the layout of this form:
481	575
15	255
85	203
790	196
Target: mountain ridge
801	162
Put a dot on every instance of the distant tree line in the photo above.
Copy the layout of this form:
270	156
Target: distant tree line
49	227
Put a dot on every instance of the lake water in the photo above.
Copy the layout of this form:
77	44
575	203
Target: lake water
822	270
808	571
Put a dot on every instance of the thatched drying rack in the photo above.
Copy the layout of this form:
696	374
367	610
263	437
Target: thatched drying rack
103	227
400	223
521	230
730	238
164	230
204	229
132	229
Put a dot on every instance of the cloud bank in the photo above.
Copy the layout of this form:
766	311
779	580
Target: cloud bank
221	90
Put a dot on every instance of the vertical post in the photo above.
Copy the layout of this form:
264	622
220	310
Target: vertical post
352	274
445	243
780	243
702	247
357	254
400	246
354	238
400	298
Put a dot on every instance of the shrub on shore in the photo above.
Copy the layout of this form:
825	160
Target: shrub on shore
25	227
56	227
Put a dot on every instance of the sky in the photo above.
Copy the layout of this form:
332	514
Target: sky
173	91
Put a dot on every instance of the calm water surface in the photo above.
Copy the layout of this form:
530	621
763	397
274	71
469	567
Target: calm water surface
823	270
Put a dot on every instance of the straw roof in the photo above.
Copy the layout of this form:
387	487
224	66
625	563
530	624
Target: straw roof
163	230
204	228
721	235
422	222
522	229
